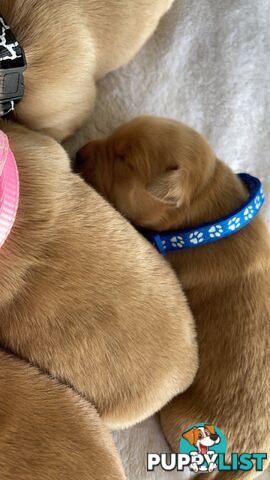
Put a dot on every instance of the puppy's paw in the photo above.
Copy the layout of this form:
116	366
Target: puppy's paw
194	467
212	467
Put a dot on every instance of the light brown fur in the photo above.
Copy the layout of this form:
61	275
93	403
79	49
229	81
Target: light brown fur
78	295
48	432
68	46
162	174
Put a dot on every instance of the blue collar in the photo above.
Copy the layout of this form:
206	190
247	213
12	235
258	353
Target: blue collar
207	233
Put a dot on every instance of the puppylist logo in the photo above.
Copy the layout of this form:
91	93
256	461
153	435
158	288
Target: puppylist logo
203	449
203	443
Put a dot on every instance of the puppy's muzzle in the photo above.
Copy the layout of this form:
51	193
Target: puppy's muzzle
86	157
79	163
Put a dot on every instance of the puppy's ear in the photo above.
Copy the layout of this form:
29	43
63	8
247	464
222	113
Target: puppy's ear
167	188
210	429
189	436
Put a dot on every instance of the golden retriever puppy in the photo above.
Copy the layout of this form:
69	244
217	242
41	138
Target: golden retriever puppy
163	175
48	431
85	297
68	47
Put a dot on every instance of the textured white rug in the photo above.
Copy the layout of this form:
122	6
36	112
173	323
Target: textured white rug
208	66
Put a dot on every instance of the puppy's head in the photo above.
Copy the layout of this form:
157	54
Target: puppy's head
202	437
151	169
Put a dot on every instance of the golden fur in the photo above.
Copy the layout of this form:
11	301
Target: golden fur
78	295
162	174
69	45
48	432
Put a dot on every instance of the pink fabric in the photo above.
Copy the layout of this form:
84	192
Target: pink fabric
9	188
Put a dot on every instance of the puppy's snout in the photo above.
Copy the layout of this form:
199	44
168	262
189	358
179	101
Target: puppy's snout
87	156
85	159
214	437
79	162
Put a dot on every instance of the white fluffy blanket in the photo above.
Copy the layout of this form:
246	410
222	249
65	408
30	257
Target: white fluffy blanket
207	65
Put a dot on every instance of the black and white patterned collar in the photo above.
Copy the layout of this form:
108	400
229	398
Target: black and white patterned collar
12	66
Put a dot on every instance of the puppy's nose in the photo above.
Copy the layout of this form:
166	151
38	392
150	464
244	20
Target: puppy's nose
87	156
82	161
214	437
79	162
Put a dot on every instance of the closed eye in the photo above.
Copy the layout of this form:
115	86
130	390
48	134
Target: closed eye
172	168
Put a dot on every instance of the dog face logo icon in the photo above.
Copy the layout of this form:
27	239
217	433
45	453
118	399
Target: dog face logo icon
203	442
202	438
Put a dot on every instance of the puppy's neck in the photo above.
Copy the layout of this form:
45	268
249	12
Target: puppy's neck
222	193
224	260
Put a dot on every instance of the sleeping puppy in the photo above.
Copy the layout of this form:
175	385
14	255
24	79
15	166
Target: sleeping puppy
48	431
163	175
68	47
78	297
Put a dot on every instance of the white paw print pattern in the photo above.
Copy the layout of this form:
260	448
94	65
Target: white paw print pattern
258	202
249	213
234	223
196	237
178	242
164	244
216	231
